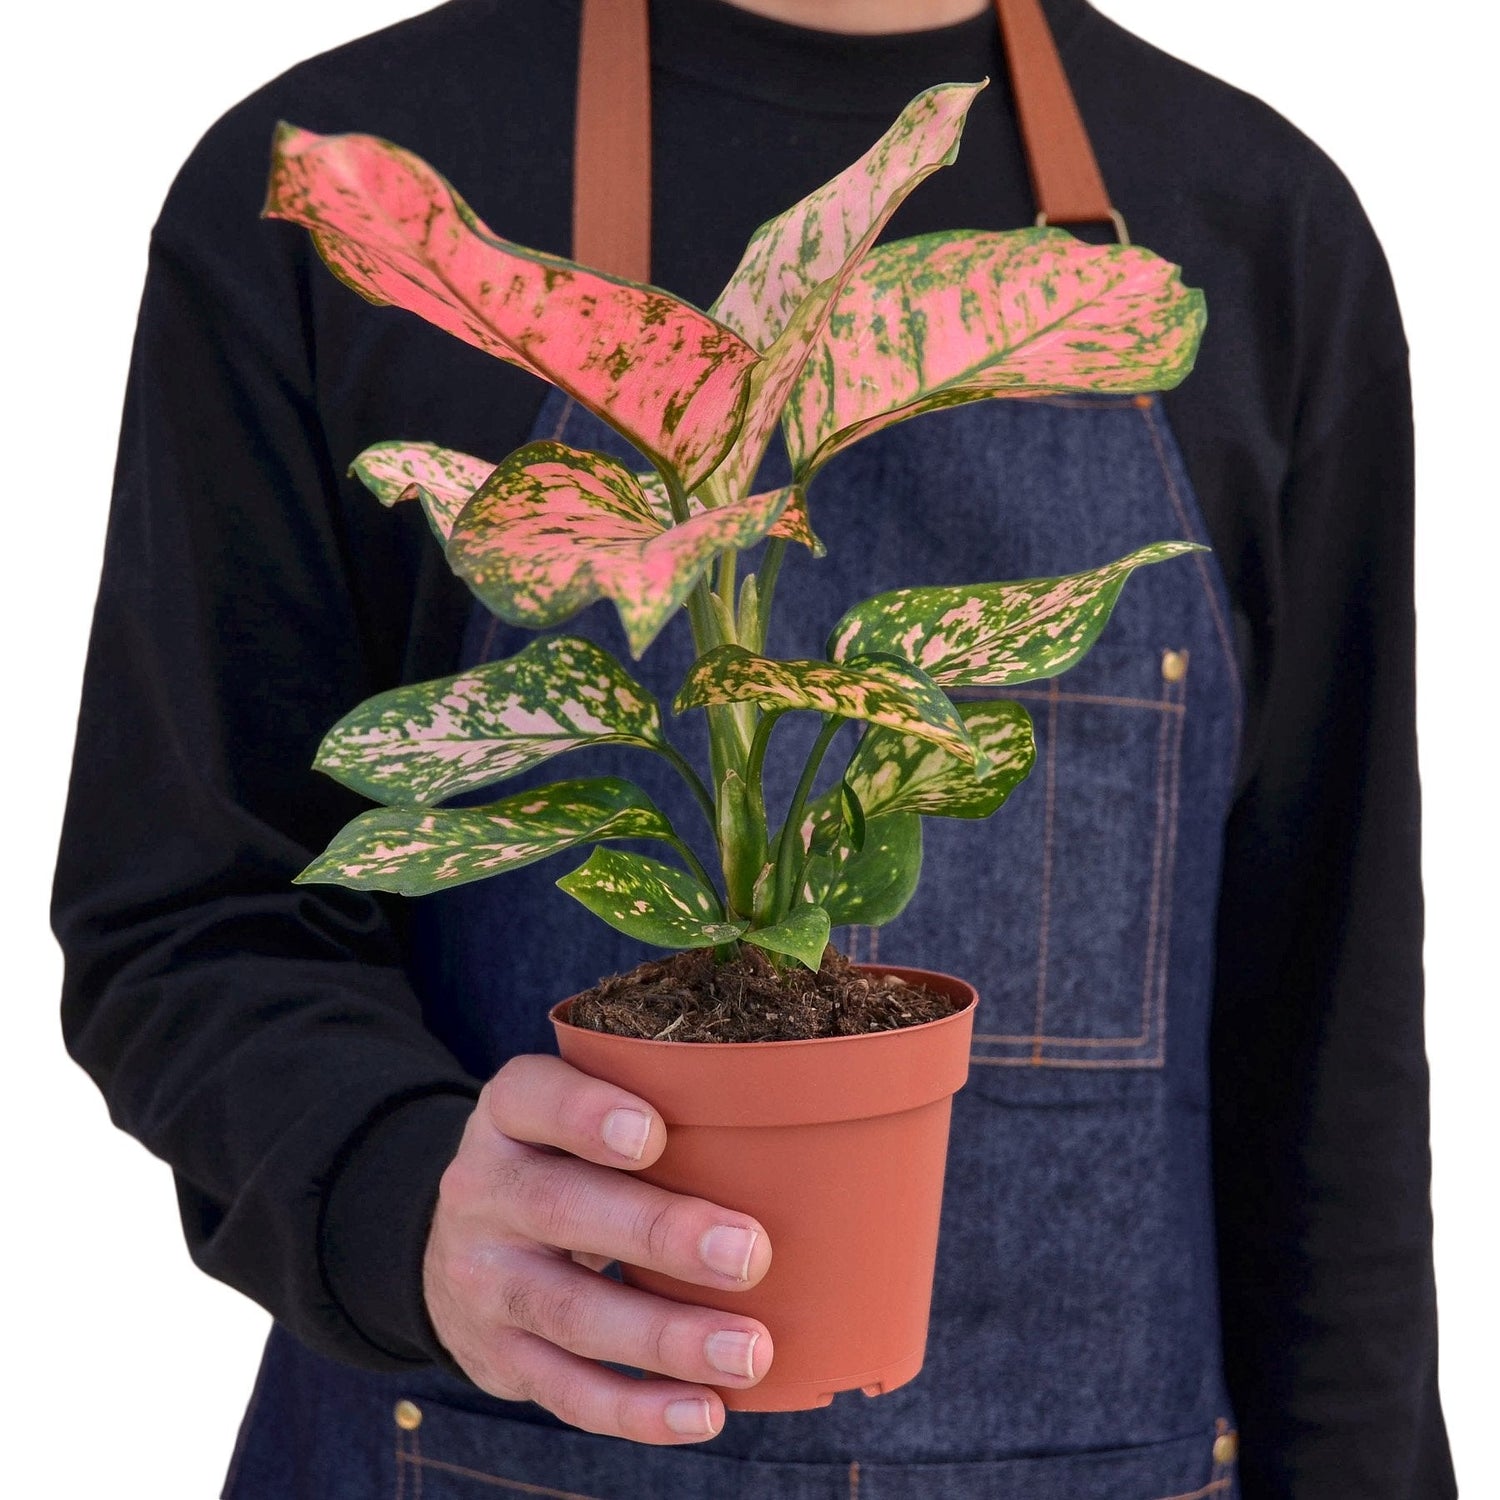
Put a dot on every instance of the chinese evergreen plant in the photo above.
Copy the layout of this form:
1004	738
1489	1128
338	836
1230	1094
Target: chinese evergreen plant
815	330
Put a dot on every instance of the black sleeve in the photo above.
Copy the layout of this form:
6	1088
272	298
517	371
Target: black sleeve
1319	1069
263	1038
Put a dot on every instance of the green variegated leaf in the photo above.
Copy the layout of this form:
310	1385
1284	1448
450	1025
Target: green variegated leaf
429	740
879	692
801	934
842	819
414	850
944	318
554	528
441	478
870	886
991	634
650	901
892	772
778	298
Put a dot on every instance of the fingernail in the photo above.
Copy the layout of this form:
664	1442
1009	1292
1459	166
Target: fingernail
690	1418
727	1250
625	1131
732	1352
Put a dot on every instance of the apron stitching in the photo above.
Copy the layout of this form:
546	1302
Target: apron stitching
1161	705
516	1486
854	1481
400	1467
1175	797
1154	913
1221	627
1046	917
416	1473
874	945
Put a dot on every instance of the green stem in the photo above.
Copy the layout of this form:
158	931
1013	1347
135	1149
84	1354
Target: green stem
694	781
728	558
757	760
789	847
765	583
696	866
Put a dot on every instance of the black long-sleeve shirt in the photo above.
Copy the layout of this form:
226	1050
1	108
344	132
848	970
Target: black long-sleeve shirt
265	1039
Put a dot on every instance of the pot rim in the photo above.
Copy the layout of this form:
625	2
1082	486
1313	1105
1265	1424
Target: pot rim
558	1018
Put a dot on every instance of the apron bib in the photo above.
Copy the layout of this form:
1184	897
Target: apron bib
1074	1344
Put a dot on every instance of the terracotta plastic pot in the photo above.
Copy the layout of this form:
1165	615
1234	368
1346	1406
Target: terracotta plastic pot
837	1146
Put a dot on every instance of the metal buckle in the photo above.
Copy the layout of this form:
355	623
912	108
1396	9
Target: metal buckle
1115	217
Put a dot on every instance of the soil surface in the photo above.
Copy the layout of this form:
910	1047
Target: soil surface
691	998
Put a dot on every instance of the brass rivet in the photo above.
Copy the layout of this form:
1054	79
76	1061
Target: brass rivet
409	1416
1226	1448
1174	665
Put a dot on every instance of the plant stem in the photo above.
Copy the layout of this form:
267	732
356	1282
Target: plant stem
694	781
696	866
790	845
757	760
765	583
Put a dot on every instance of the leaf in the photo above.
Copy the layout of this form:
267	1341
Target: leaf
794	267
414	850
554	528
742	840
892	772
430	740
669	377
843	821
940	319
648	900
872	885
441	478
991	634
792	525
802	934
880	692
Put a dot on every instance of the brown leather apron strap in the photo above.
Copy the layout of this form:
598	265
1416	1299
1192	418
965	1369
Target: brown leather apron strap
612	140
612	134
1064	172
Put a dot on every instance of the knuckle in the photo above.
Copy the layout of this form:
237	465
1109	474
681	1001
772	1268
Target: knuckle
501	1092
657	1341
566	1399
656	1229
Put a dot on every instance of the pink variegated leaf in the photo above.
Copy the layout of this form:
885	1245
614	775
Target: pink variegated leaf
940	319
554	528
992	634
420	743
892	693
416	850
441	478
795	264
792	525
666	375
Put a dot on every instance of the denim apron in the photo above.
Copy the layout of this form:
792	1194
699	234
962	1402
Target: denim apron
1074	1346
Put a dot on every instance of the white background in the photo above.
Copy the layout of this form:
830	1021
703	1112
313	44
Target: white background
127	1368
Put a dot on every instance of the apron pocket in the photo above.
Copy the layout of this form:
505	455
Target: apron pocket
1059	907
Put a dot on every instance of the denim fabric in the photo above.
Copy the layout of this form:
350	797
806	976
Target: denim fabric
1074	1346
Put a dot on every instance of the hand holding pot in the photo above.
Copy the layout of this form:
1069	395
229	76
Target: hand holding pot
536	1201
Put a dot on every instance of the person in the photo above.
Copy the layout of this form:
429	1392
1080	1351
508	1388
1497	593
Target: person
1183	1209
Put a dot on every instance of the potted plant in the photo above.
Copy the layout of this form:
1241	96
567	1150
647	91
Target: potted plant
838	1128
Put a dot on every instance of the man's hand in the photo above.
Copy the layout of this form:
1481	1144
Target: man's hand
536	1202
